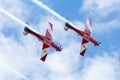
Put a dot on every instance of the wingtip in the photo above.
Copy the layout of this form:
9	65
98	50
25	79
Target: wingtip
83	52
43	58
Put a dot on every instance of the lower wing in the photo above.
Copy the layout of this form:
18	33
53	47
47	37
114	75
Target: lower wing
83	47
45	50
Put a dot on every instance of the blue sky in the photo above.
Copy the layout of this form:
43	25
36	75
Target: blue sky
19	54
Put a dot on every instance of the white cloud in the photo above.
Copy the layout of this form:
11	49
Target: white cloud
22	59
66	61
103	7
105	14
102	27
59	66
17	8
104	67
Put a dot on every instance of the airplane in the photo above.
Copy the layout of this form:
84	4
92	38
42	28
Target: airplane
86	35
46	40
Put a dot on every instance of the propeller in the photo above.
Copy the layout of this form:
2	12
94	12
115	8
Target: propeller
61	47
99	42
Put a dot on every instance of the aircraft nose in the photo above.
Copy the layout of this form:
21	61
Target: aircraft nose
59	49
26	29
98	43
67	25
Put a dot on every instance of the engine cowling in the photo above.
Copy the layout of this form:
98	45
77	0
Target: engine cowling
67	26
26	30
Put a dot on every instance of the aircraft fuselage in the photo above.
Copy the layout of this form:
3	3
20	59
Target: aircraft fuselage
43	39
83	34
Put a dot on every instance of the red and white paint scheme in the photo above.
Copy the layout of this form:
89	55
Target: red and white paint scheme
46	40
86	35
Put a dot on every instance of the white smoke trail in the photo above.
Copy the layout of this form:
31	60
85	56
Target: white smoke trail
15	18
11	16
22	23
13	70
48	9
51	11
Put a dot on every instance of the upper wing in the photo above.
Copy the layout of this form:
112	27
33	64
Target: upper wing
83	47
45	49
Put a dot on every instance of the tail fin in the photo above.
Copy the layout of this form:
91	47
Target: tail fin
88	26
49	31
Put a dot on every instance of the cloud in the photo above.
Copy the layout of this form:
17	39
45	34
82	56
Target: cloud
13	6
37	2
103	67
104	14
10	58
23	57
102	27
67	64
17	8
102	7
